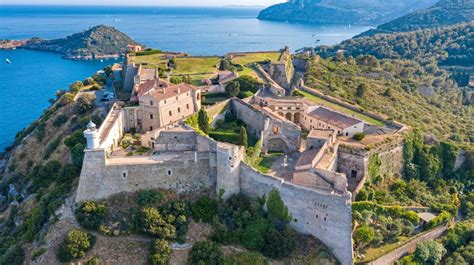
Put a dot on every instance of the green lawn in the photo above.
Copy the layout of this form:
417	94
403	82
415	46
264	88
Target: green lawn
153	60
196	65
337	107
256	57
264	164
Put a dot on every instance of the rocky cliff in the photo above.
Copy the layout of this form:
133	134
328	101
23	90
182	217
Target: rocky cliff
95	43
368	12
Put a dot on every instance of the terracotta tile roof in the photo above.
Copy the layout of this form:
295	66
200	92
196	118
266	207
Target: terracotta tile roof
151	84
334	118
147	74
159	93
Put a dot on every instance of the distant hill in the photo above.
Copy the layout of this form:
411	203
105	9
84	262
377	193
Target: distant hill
445	12
450	45
95	43
368	12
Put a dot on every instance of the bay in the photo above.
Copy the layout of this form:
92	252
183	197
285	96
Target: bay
33	76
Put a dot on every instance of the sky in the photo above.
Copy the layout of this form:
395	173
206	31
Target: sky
146	2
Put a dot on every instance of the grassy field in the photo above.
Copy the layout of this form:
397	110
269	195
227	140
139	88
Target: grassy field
256	57
196	65
264	163
153	60
374	253
334	106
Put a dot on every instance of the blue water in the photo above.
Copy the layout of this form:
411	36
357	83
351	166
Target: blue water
33	77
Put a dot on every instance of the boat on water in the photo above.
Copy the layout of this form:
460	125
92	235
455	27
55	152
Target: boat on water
8	60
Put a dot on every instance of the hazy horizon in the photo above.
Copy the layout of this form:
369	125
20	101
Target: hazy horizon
204	3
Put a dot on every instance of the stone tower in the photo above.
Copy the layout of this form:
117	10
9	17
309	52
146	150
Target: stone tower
92	136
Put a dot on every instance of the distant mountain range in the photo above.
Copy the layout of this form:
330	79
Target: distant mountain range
368	12
95	43
445	12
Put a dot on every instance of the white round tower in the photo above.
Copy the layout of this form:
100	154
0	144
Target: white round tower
92	136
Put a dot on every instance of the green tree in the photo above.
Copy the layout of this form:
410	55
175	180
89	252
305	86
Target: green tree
154	223
449	155
91	214
204	210
233	88
203	121
243	137
363	235
429	252
160	252
361	90
84	103
279	244
75	245
76	87
277	210
205	252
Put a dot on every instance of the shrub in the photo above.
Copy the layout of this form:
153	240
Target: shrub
359	136
75	245
233	88
14	255
60	120
246	258
76	87
205	252
204	209
153	223
279	244
91	214
93	261
67	99
84	103
160	252
443	217
126	141
149	197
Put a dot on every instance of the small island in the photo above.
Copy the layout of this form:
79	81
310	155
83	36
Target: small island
99	42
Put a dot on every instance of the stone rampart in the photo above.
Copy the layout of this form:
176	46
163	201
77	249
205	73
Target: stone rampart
185	172
325	215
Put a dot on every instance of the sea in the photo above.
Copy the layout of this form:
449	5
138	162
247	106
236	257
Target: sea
33	77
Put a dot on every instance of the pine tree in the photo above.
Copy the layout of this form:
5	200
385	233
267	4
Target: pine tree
203	121
277	210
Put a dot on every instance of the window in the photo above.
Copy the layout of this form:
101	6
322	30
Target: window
165	101
347	134
151	128
169	172
151	116
177	97
151	102
198	96
179	110
187	106
124	174
171	114
353	174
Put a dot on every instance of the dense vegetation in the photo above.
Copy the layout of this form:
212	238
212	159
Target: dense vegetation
97	41
445	12
341	12
419	96
451	45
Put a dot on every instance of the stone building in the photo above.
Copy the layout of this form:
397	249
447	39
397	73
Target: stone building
162	104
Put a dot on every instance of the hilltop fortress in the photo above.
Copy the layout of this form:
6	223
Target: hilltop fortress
322	169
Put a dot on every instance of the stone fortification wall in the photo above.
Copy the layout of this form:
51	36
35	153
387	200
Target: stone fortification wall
277	134
130	71
354	161
186	172
326	216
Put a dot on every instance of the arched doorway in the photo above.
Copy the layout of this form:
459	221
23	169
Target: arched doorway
277	145
297	118
288	116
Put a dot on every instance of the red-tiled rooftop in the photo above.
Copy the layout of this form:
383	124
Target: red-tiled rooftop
153	88
151	84
335	118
